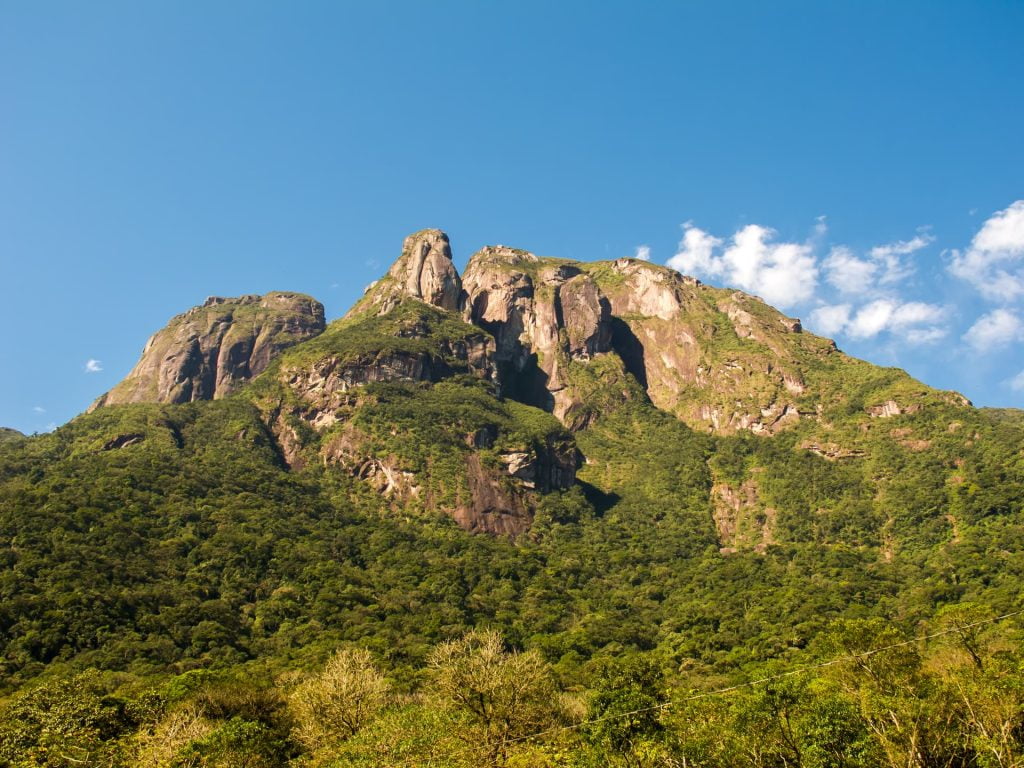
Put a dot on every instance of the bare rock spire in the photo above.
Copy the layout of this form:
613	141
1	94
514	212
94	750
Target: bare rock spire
424	271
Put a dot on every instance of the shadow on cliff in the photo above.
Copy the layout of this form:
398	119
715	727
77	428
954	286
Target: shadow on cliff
599	500
630	349
527	384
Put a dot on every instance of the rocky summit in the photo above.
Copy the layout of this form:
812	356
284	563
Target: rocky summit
210	350
577	340
647	485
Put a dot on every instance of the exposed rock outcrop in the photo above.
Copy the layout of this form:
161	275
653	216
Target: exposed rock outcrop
123	441
423	271
720	360
885	410
413	343
742	520
212	350
500	497
503	504
545	468
322	387
543	314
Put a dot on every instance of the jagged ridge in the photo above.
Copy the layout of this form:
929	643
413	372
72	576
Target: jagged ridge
580	340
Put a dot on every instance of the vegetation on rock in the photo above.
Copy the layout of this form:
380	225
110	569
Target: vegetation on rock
388	550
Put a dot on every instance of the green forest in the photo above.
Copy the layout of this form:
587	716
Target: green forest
187	601
277	577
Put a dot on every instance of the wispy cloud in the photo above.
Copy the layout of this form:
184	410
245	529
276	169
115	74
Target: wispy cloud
786	274
883	265
912	321
38	409
1017	382
93	366
890	257
643	252
830	319
782	273
995	329
994	261
848	272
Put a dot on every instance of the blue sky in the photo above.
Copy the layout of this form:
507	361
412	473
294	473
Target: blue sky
857	163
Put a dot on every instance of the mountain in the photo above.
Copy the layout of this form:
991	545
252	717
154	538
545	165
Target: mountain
209	351
608	462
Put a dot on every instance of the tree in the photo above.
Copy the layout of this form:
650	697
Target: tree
628	704
506	695
336	703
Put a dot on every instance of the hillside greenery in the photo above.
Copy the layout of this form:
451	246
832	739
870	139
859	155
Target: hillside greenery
172	593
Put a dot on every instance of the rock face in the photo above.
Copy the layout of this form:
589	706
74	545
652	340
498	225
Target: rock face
500	498
458	356
720	360
212	350
543	315
424	271
502	503
321	388
742	519
550	316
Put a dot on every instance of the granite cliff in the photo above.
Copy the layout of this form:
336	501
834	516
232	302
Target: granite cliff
514	333
209	351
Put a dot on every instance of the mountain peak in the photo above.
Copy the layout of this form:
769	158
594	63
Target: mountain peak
423	271
211	350
503	254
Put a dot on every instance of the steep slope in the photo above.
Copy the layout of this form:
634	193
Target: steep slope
402	394
423	271
211	350
619	431
719	360
726	361
545	316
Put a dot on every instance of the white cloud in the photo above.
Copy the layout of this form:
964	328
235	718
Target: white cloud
925	335
849	273
38	409
93	366
1017	382
995	329
889	257
884	265
786	274
913	321
696	253
917	313
830	319
993	262
871	319
782	274
643	252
